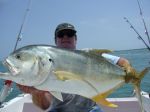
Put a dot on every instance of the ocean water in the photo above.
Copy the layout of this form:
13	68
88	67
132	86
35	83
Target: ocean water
139	58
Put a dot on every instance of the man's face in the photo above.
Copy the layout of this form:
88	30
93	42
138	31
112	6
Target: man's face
66	39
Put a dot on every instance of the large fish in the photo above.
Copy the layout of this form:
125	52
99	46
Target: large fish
58	70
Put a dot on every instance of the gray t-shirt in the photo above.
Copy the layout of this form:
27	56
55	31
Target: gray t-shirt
72	103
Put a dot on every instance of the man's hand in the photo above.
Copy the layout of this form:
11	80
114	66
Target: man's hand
124	63
26	89
40	98
128	68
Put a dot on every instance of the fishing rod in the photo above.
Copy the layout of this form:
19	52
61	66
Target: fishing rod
141	13
139	36
7	85
146	32
20	31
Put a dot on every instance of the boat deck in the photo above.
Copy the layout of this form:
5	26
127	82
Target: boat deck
24	104
124	105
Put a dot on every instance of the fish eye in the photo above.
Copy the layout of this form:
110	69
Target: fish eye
51	60
18	56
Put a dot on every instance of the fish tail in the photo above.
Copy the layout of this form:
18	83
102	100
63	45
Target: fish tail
138	94
136	80
144	72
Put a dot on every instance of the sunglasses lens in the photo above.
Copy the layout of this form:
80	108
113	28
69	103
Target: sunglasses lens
68	34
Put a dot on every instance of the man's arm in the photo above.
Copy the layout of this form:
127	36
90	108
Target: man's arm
122	62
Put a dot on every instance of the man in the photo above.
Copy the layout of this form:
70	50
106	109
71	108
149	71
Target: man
65	37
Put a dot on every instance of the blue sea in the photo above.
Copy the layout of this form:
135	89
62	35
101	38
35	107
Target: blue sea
139	58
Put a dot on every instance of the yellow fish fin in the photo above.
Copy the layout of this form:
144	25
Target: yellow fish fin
63	75
98	51
100	99
145	71
136	80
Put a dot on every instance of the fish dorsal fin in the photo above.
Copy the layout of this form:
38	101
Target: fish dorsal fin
63	75
97	51
101	99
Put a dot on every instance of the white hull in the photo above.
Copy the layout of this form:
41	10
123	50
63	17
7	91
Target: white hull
23	103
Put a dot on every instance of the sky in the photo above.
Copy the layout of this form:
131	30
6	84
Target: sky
99	23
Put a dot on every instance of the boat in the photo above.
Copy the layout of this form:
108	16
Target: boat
23	103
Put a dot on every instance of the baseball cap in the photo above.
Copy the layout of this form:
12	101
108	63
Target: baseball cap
64	26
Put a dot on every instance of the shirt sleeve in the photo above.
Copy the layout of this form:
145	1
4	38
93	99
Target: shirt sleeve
111	58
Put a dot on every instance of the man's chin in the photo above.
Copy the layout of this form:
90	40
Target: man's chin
67	46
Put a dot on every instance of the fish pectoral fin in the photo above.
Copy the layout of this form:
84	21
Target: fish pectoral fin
58	95
100	99
68	76
63	75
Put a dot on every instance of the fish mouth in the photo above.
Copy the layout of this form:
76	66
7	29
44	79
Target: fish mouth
11	68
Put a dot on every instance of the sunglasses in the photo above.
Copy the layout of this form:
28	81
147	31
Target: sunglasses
67	33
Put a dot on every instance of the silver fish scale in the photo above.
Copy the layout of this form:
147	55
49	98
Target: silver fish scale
82	63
